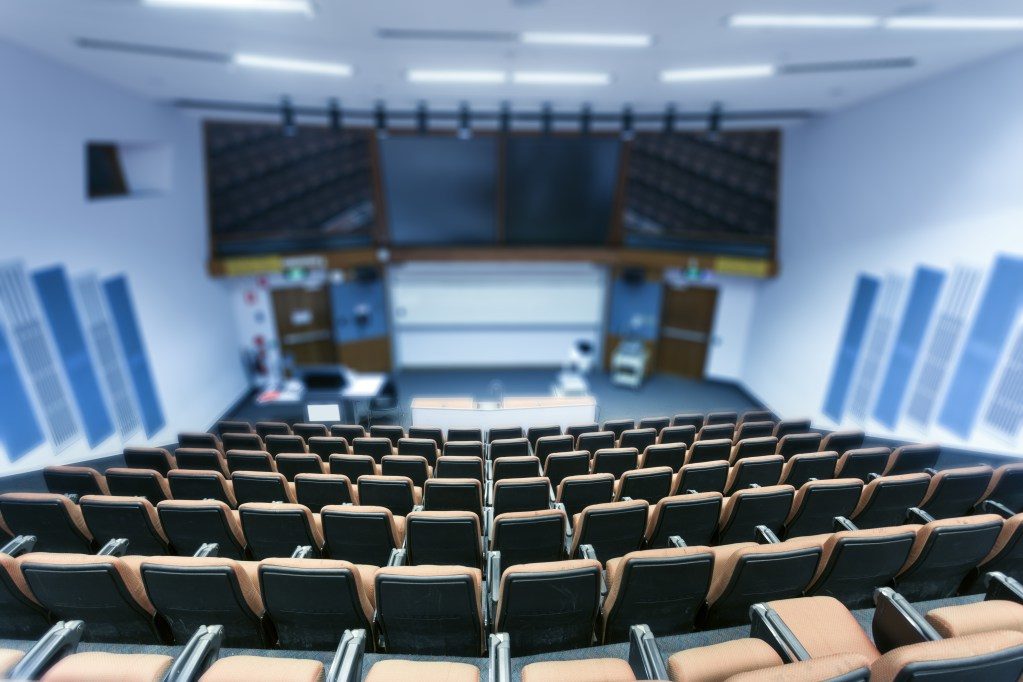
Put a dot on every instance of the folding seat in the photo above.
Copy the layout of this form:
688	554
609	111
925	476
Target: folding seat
638	438
453	494
748	430
443	538
109	517
944	553
549	604
68	480
855	562
842	441
704	477
189	524
817	503
586	669
414	467
246	668
275	530
746	509
656	423
307	431
311	602
1006	556
693	517
465	435
427	433
390	432
862	463
264	429
955	492
618	427
193	591
535	433
22	616
454	466
377	448
104	591
226	426
509	447
464	448
389	670
748	660
747	573
753	447
758	471
886	500
347	431
816	627
613	529
327	446
319	490
199	440
361	534
757	416
651	484
579	492
671	455
291	465
397	493
714	418
663	589
716	432
561	465
595	440
147	483
678	434
515	467
911	459
276	444
242	441
801	468
798	444
419	447
786	427
710	451
504	433
579	429
521	494
205	459
157	459
250	460
615	461
353	466
430	610
529	537
54	520
1006	489
694	420
976	618
262	486
546	446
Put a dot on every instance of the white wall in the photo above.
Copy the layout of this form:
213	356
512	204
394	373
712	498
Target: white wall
931	175
730	338
48	112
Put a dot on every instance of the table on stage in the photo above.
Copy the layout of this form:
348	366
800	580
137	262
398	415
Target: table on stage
467	413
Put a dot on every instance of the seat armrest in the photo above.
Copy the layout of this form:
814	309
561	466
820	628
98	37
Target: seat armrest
677	542
1001	586
302	552
23	544
754	486
931	471
996	507
690	491
918	515
625	499
489	501
198	654
72	496
488	521
765	536
568	519
208	549
896	623
587	552
872	476
551	496
397	557
812	479
765	624
115	547
417	507
842	523
347	663
644	656
500	658
59	641
492	593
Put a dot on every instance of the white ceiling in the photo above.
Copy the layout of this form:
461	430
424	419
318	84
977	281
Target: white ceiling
688	33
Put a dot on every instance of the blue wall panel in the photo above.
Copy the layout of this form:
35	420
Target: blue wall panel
125	322
636	301
19	429
59	307
916	319
347	299
992	324
860	311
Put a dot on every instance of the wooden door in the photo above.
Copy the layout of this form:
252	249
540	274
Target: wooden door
305	325
687	321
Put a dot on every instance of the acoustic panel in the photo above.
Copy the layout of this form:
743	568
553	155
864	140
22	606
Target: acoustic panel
19	429
882	331
853	336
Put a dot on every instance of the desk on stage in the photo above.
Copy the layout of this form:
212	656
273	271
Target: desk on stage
466	413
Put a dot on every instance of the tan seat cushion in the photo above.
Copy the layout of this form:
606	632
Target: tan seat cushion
422	671
816	670
104	667
586	670
718	662
1010	528
825	627
8	659
12	567
887	668
263	669
970	619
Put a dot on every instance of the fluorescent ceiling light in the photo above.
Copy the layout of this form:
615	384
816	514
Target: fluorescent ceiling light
587	39
718	73
298	6
947	23
804	21
447	76
297	65
562	78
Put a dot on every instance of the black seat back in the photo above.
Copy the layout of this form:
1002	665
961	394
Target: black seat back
705	477
752	507
955	492
353	466
595	440
579	492
319	490
885	500
307	431
843	441
910	459
561	465
147	483
618	427
652	484
443	538
325	446
377	448
944	553
293	464
428	433
419	447
748	430
615	461
264	429
801	468
242	441
516	467
347	431
656	423
710	451
453	494
855	562
577	430
23	617
798	444
359	533
54	520
671	455
860	463
716	432
261	486
414	467
817	503
790	426
464	448
504	433
694	518
754	447
275	530
157	459
455	466
714	418
391	433
72	480
276	444
638	438
521	494
250	460
529	537
196	439
692	419
678	434
613	529
189	524
226	426
761	471
535	433
393	492
132	518
204	459
549	445
509	447
465	435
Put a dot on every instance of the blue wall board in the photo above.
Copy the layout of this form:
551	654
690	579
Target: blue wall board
640	301
19	429
122	311
856	324
59	307
347	299
923	299
993	322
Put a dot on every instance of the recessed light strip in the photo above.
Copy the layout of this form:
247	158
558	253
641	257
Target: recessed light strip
948	23
560	78
587	39
294	65
294	6
867	21
450	76
718	73
803	21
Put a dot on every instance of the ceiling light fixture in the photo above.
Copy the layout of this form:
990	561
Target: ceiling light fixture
718	73
587	39
448	76
259	61
293	6
951	23
804	21
560	78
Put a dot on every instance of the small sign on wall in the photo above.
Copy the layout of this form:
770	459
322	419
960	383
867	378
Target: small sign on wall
301	317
